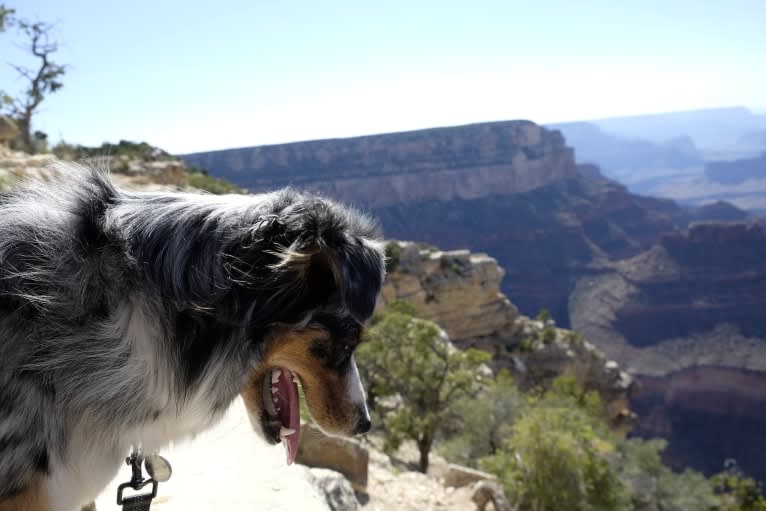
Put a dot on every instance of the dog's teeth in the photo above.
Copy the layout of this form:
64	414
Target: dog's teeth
274	390
284	432
275	375
295	379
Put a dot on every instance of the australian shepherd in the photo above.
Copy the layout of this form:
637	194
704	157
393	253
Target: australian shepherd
130	320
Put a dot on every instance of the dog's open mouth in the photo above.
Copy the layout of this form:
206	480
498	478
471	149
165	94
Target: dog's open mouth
281	406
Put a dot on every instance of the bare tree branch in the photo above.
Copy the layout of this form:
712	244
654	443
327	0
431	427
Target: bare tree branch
42	80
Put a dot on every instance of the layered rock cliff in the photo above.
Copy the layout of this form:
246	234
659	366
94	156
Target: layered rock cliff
687	316
696	298
460	291
381	170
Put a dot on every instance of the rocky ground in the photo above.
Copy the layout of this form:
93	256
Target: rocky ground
137	175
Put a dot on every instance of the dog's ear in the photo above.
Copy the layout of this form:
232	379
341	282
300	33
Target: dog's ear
349	271
333	255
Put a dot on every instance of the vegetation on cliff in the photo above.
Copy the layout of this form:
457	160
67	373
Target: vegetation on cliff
547	446
144	163
409	357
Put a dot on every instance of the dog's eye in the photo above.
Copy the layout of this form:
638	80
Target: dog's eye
319	349
344	355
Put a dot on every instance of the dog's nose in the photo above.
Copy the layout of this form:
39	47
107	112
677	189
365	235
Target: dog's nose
362	425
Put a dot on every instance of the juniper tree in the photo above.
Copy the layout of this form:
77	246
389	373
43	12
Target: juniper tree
407	357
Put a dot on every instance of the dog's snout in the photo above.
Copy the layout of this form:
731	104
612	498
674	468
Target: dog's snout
362	425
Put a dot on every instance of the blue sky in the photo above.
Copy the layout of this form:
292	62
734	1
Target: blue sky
193	76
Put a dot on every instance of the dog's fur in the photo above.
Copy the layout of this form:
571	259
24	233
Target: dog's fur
135	319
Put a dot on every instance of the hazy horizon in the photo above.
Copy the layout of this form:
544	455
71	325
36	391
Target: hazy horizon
554	123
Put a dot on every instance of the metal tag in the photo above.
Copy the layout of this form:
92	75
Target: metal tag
158	467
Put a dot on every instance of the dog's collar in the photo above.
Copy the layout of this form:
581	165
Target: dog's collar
159	470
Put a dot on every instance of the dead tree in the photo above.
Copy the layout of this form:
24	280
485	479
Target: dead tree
42	80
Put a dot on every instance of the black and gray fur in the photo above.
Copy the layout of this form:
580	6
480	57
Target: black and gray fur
131	317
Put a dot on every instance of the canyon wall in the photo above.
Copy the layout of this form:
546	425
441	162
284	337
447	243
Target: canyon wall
380	170
687	316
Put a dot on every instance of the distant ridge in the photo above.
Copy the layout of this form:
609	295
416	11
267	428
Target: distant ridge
710	128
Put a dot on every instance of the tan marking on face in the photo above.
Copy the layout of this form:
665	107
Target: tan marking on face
33	498
325	390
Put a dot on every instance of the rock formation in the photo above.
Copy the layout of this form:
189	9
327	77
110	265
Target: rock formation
460	291
133	173
666	309
375	171
687	316
344	455
336	489
485	492
457	289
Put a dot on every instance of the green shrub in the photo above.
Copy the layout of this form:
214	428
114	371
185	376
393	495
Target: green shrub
484	422
393	256
544	315
557	457
737	492
526	344
406	357
200	180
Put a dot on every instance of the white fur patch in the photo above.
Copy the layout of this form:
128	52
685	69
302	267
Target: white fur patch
356	390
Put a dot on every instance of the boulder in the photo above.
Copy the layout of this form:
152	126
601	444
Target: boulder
336	489
490	491
344	455
459	476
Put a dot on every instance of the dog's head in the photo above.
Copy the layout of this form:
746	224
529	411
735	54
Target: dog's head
319	279
293	275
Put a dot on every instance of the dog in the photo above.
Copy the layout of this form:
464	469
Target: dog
134	319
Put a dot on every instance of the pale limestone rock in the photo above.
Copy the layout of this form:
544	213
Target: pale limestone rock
458	290
344	455
485	492
336	489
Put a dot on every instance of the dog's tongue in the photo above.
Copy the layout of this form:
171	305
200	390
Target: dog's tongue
289	413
